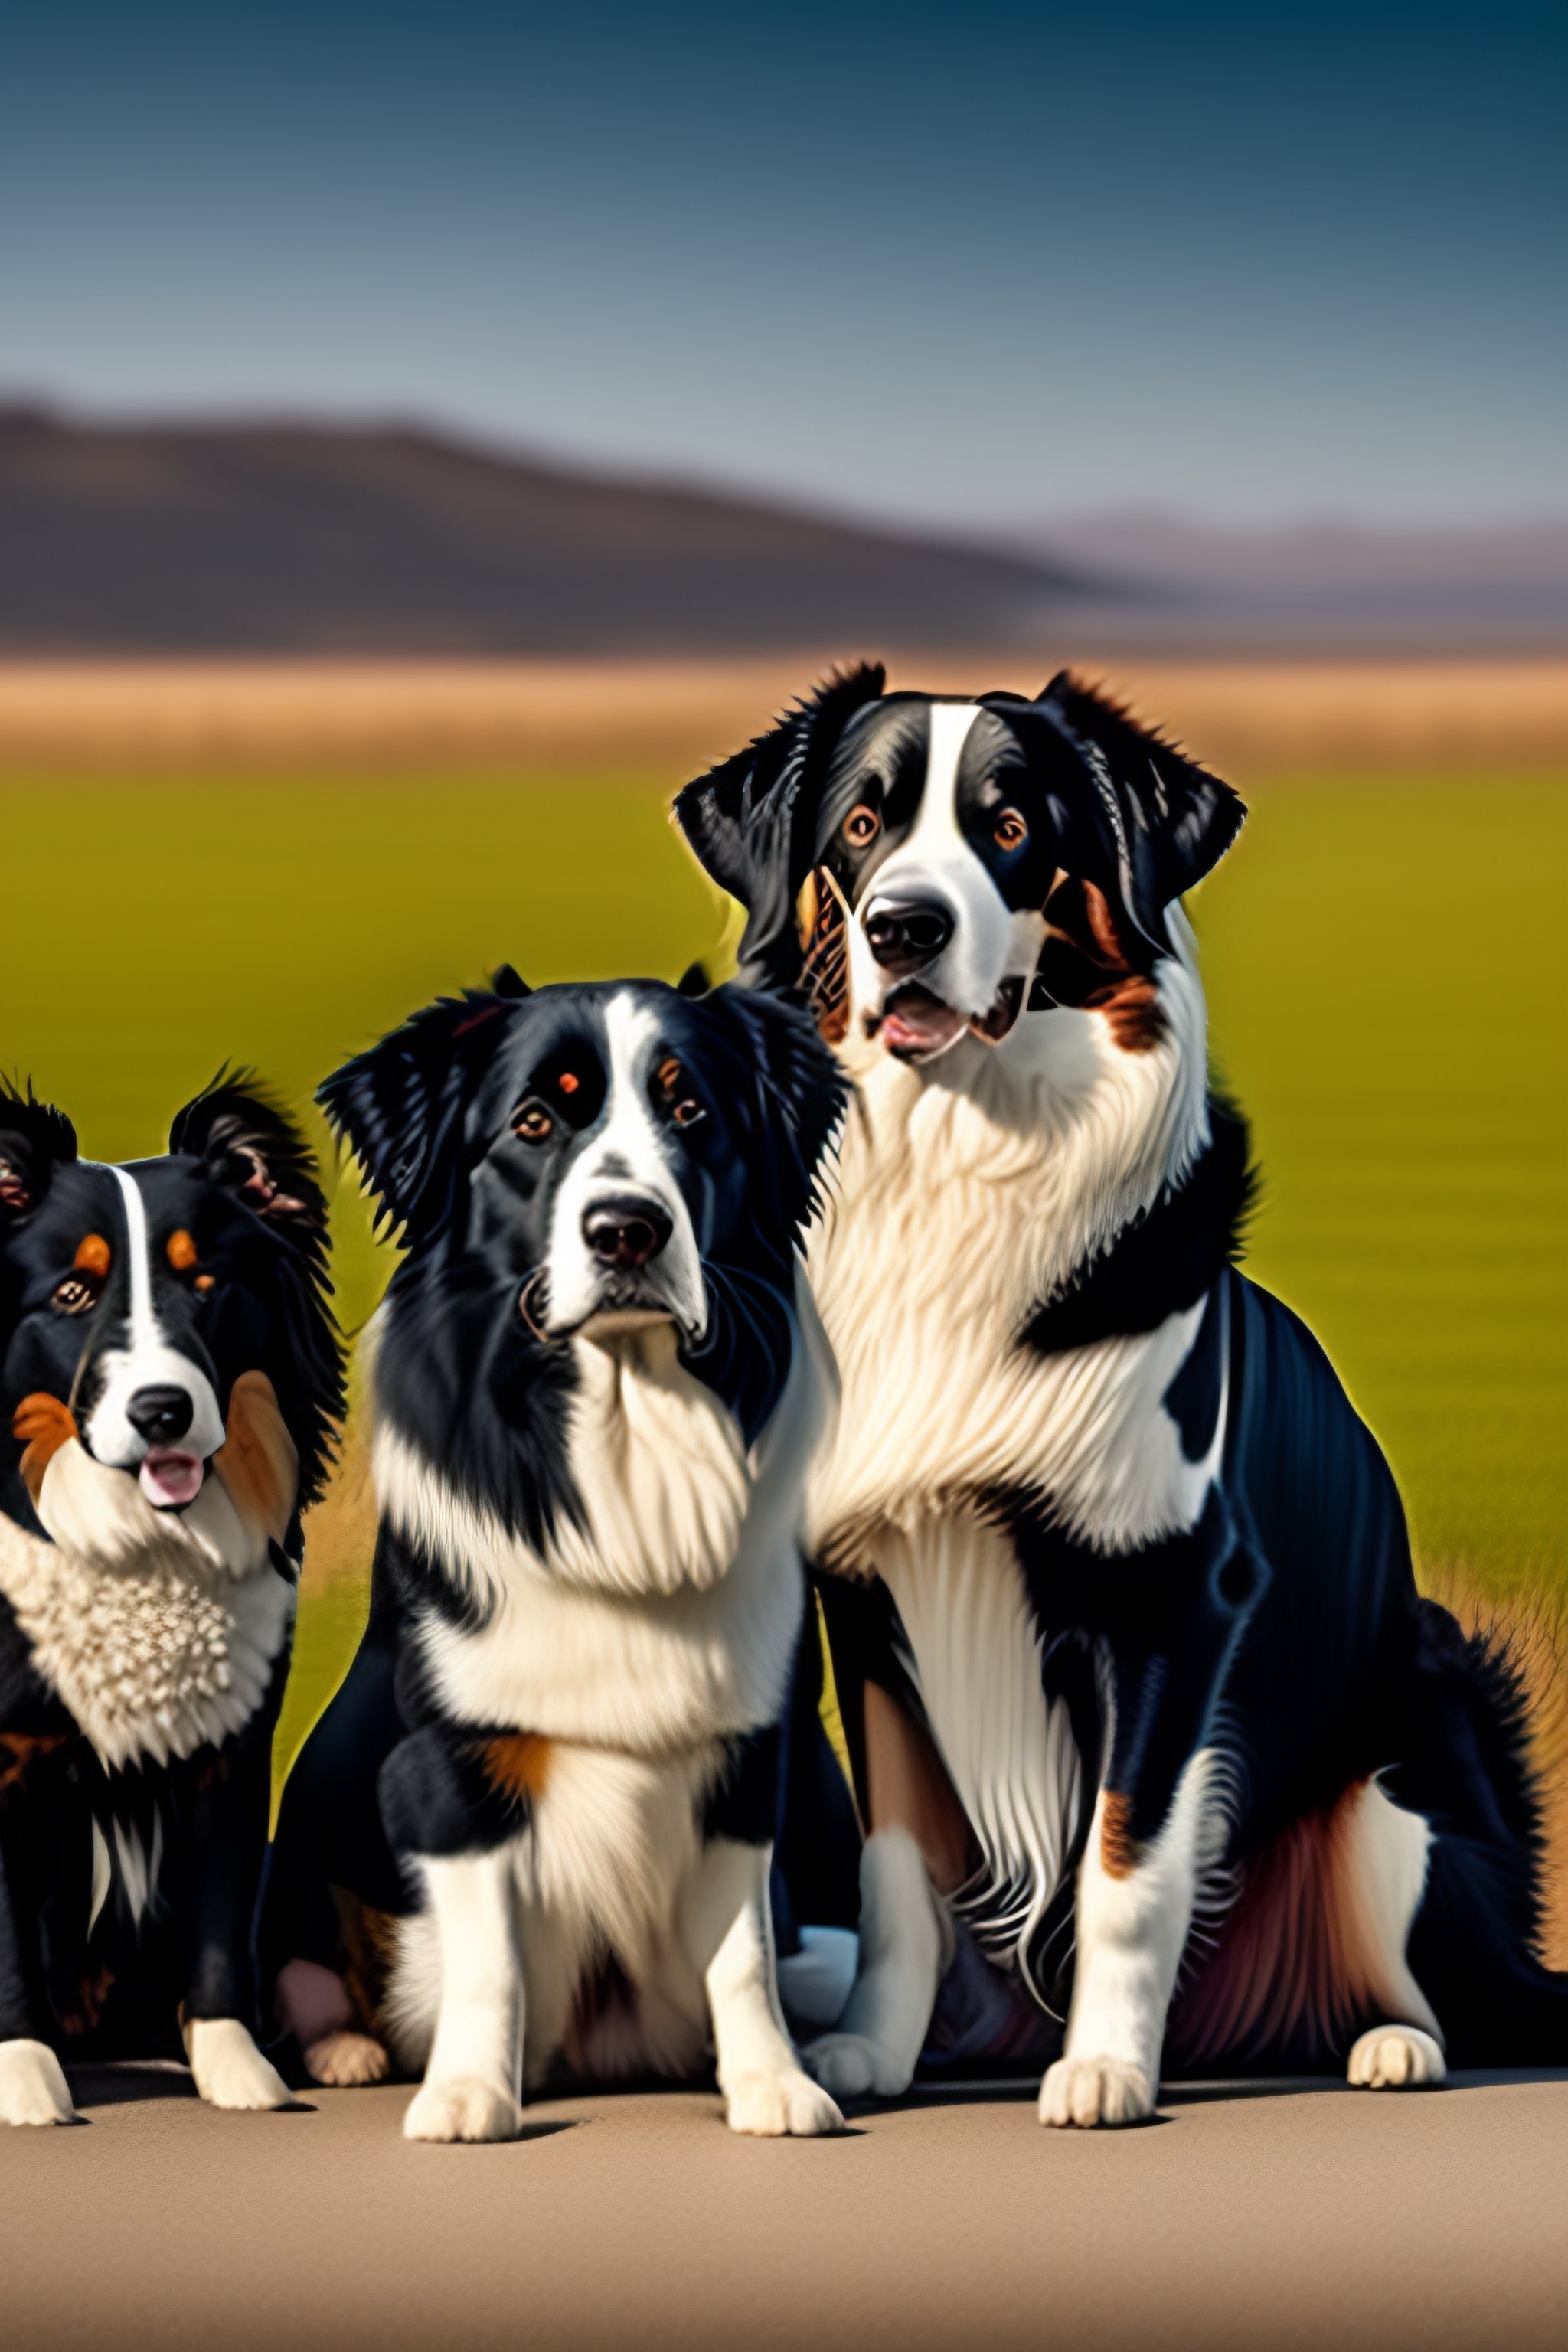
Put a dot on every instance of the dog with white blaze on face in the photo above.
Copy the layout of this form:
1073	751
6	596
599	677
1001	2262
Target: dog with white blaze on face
533	1832
170	1376
1161	1757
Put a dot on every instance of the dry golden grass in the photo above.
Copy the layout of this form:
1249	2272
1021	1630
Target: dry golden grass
679	715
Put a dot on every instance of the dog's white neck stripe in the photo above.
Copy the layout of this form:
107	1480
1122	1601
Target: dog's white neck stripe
145	1331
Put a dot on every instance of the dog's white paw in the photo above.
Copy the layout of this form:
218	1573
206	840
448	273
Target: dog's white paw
228	2069
343	2062
33	2085
853	2066
1395	2058
1084	2092
788	2105
463	2107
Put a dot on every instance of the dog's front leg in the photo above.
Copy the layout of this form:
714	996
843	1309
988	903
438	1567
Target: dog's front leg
473	2083
727	1929
1157	1822
32	2088
229	1829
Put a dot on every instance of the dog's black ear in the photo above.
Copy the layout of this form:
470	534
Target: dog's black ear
35	1140
1164	822
507	982
693	981
252	1146
752	821
400	1107
794	1105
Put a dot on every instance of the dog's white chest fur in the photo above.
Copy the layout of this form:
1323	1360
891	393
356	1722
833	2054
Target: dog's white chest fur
958	1208
164	1637
671	1617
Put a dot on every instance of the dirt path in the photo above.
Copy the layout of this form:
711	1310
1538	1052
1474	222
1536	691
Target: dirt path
1270	2218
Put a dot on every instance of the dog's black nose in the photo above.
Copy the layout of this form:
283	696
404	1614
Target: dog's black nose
904	938
159	1414
625	1232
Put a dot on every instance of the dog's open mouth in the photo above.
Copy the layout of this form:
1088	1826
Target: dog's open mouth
916	1024
171	1479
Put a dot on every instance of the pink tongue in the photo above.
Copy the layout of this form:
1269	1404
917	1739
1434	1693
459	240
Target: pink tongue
169	1478
918	1023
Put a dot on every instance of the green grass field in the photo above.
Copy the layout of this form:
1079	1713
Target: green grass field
1381	959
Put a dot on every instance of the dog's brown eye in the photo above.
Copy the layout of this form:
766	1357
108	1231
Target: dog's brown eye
682	1108
76	1293
533	1123
862	825
1011	831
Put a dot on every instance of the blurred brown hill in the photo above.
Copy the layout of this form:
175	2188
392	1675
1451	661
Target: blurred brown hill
308	539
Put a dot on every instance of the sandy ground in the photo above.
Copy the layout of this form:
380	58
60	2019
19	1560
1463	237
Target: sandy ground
1277	2217
676	717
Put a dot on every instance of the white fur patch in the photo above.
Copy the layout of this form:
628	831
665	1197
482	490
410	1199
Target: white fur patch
681	1624
33	2087
158	1629
1009	1751
146	1361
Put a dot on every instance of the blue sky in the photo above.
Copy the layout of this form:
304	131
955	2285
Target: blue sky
977	265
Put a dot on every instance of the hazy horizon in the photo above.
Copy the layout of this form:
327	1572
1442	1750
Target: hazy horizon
971	269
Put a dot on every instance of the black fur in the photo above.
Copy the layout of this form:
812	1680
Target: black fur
239	1180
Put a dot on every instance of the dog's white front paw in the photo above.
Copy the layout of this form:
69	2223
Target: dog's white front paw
1089	2091
853	2066
33	2085
347	2060
1395	2058
463	2107
786	2104
229	2070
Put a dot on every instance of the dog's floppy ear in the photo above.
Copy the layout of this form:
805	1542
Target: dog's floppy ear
1164	822
35	1140
252	1147
752	821
400	1107
794	1105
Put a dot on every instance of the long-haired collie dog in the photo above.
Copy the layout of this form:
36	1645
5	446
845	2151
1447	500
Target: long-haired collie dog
535	1827
1109	1558
169	1377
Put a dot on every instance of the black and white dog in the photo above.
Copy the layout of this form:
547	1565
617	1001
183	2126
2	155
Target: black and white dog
169	1379
1109	1553
597	1384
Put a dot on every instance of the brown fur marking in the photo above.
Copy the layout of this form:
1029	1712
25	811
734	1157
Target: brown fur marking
44	1423
1293	1957
1087	963
180	1250
93	1256
256	1460
907	1787
517	1764
1118	1846
20	1750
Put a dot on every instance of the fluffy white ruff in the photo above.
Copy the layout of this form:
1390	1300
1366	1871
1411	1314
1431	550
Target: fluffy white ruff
966	1193
158	1629
228	2069
671	1618
32	2088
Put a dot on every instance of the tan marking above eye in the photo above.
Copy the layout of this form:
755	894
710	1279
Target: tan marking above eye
862	825
568	1082
1011	832
669	1074
181	1251
93	1256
